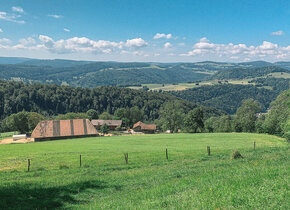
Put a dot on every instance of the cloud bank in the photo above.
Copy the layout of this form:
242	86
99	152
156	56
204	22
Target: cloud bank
203	49
267	50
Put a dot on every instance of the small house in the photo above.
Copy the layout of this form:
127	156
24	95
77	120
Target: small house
142	127
112	124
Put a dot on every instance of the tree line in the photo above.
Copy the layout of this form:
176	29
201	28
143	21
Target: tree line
247	118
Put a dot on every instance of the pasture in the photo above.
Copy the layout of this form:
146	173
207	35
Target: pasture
184	86
189	179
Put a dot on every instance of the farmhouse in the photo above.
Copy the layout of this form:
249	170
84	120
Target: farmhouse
142	127
112	124
53	129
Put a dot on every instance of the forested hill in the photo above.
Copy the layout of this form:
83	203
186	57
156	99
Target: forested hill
228	97
245	73
102	74
53	99
55	63
93	74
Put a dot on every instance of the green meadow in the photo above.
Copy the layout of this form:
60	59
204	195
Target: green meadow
189	179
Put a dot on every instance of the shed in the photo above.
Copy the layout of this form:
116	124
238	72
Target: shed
53	129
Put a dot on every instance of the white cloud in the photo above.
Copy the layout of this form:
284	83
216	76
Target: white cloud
4	40
267	50
167	45
83	44
277	33
11	17
181	44
1	31
159	36
136	43
17	9
134	50
66	29
27	41
55	16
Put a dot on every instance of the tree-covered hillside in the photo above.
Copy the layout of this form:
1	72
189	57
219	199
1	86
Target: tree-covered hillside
245	73
93	74
227	97
51	100
101	73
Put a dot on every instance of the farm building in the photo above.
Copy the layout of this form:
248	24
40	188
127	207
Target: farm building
146	128
112	124
53	129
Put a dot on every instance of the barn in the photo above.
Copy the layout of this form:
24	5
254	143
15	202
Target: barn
55	129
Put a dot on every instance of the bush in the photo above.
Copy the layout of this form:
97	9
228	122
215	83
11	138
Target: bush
118	128
236	155
104	129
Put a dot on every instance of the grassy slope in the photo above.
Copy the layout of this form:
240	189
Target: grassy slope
190	179
184	86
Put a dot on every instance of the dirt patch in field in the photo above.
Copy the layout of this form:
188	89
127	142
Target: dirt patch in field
22	141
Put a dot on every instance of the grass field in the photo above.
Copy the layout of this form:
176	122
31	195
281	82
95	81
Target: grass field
190	179
184	86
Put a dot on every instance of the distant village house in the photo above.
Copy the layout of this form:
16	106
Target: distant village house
142	127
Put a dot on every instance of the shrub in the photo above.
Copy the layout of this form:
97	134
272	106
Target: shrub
236	155
104	129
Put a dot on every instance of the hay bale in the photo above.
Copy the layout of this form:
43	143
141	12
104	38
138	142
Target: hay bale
236	155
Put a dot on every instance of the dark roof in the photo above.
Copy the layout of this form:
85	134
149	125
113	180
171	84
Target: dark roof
144	126
62	128
108	122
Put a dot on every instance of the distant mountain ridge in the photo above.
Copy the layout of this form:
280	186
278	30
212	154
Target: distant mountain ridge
93	74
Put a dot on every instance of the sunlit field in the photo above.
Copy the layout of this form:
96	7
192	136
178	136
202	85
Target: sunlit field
189	179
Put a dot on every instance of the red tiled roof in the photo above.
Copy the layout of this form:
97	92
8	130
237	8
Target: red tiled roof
144	126
62	128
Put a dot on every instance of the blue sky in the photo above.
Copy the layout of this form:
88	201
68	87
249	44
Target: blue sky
148	30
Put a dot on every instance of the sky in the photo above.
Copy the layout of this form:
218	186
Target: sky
146	30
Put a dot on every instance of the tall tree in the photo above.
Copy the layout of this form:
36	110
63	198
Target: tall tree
193	121
129	116
278	115
171	116
246	116
33	119
105	116
92	114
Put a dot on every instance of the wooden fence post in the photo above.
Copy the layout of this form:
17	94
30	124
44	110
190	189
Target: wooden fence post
126	157
28	167
208	150
80	160
254	145
166	154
